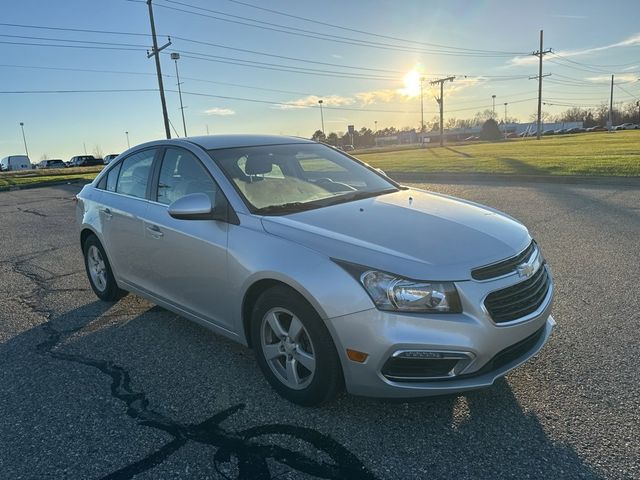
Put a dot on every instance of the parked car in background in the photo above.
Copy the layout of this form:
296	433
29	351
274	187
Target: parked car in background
626	126
549	132
108	158
84	161
50	164
15	162
348	148
576	130
332	272
597	128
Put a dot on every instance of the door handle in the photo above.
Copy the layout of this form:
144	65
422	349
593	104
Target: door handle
107	212
155	231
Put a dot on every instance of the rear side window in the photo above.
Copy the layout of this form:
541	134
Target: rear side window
134	174
112	178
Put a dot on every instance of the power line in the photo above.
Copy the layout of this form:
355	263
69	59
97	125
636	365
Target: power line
238	20
318	22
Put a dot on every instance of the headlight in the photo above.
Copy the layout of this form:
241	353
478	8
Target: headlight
391	292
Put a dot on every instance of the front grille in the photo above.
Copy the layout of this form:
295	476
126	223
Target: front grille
519	300
504	267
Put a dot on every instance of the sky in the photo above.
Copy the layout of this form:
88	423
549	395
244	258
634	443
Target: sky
262	70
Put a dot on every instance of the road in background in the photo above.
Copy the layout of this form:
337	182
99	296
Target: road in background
92	390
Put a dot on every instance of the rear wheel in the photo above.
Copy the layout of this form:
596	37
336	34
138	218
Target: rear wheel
99	271
294	348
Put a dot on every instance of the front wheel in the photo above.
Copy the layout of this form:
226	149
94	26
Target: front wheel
99	271
294	348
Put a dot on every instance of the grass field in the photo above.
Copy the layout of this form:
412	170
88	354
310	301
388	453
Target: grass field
31	177
616	154
598	153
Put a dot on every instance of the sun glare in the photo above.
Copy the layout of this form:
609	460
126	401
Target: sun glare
412	83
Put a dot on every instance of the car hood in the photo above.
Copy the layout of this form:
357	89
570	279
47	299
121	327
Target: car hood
417	234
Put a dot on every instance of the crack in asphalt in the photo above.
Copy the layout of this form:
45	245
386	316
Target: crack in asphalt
33	212
244	446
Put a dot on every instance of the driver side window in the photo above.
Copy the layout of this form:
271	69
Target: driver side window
182	174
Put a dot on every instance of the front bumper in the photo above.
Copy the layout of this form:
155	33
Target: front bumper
381	334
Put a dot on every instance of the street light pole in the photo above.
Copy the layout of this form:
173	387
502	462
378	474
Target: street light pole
494	106
24	139
176	56
128	144
505	119
321	115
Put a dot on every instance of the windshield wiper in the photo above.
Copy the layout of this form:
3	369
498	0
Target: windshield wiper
283	208
360	195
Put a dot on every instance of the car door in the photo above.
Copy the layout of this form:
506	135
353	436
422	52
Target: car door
187	258
123	206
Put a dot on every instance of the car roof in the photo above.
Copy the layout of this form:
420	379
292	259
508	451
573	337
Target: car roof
209	142
214	142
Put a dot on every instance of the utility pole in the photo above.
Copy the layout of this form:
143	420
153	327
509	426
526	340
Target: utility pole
611	107
493	97
176	56
128	144
441	103
155	52
540	53
638	105
24	139
321	116
421	108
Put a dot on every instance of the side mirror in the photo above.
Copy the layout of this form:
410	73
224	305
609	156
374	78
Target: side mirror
196	206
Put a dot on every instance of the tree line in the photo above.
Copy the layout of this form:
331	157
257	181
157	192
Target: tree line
591	117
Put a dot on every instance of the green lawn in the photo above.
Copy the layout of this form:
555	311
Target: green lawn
598	153
29	177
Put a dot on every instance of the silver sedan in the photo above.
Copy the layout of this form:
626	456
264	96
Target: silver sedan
333	273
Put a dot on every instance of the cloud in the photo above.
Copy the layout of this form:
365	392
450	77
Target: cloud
573	17
378	96
312	101
632	41
222	112
624	77
335	55
632	67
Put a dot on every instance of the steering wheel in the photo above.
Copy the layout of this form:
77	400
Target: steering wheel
333	186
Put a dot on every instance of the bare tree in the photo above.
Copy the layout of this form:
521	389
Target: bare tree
97	151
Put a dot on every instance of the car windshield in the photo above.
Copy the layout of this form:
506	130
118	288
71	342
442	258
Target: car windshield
281	179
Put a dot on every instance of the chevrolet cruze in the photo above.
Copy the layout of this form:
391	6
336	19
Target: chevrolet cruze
333	273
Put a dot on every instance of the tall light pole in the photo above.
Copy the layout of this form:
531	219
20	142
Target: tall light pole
320	102
494	105
176	56
24	139
128	144
505	119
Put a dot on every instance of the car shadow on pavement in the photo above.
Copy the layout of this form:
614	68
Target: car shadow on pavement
157	387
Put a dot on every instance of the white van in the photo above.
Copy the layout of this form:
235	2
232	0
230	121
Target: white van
15	162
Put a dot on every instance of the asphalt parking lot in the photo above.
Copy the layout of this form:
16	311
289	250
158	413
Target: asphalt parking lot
129	390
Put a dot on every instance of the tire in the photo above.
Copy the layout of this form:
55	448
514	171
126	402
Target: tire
284	352
99	271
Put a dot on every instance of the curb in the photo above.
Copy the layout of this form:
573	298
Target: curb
13	188
517	178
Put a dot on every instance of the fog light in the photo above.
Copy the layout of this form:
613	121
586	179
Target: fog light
357	356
